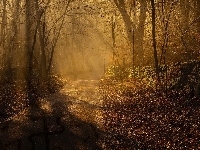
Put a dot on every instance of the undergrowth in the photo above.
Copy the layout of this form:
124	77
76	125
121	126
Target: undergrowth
138	116
14	94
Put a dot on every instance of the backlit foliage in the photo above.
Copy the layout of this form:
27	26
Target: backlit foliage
142	117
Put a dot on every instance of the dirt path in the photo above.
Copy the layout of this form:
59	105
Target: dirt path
69	120
86	100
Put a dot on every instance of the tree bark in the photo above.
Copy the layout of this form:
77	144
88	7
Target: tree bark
30	41
198	15
40	22
3	24
140	32
126	17
3	31
13	39
153	15
113	36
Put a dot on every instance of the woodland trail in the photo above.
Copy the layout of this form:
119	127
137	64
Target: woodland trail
86	101
69	120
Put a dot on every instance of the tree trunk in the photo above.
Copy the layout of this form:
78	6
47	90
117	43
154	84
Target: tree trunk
39	17
140	32
198	15
153	15
3	30
127	19
30	40
185	9
13	39
113	36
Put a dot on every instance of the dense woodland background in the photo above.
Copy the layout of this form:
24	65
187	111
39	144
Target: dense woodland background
145	53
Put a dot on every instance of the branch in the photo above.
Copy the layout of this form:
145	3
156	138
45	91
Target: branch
65	12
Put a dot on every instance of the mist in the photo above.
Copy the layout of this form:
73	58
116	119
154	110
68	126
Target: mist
99	74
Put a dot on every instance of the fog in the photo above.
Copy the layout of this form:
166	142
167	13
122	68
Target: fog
85	52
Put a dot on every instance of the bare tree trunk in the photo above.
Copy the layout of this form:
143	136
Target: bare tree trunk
3	24
154	39
133	48
133	36
198	15
140	32
30	40
126	17
113	36
39	15
13	39
185	10
3	31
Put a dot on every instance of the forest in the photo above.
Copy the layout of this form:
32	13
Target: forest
99	74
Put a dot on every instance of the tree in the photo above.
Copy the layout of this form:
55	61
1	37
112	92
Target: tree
198	15
154	39
126	17
140	31
41	39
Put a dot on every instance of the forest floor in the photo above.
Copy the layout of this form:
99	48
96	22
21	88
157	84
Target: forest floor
69	120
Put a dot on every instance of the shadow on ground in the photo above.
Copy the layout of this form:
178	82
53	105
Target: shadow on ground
50	126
